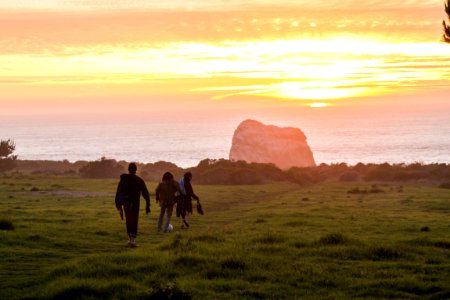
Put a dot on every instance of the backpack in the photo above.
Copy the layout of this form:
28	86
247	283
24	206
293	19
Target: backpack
166	190
182	188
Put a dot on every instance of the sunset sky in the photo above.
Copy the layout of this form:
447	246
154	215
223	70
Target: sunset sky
125	56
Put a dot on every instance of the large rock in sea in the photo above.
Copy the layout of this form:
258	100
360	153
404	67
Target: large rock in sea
284	147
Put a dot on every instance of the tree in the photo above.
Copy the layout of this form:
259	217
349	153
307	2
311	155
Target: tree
7	160
446	25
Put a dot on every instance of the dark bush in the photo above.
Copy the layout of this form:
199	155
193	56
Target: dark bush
442	244
233	264
299	175
349	176
7	160
6	225
381	172
101	232
189	261
103	168
270	238
332	239
383	253
406	175
170	291
445	185
230	172
154	171
356	191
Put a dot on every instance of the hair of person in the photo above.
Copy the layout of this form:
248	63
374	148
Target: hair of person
187	175
132	168
167	176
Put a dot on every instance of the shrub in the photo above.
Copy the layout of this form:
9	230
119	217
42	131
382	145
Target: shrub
170	291
383	253
300	175
103	168
154	171
101	233
7	160
445	185
356	191
235	172
376	190
6	225
233	264
332	239
270	238
349	176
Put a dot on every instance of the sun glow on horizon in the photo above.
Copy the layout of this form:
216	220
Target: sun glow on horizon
279	56
318	104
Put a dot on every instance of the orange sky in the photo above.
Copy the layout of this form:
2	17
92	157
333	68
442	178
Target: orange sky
86	56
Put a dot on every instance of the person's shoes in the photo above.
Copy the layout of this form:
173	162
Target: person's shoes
185	223
132	243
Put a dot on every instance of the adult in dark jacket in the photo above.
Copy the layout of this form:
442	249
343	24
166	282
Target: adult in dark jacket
187	194
131	187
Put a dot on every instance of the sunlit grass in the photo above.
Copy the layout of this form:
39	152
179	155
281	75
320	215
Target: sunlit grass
275	241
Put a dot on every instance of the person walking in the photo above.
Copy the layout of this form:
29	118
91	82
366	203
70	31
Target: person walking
128	196
187	193
165	195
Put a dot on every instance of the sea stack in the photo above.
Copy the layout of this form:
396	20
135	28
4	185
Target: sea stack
284	147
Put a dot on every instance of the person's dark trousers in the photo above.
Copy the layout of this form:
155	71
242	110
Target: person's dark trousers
131	217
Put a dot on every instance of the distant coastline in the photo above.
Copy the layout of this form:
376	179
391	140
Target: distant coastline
393	138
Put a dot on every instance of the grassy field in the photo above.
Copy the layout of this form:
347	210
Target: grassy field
61	238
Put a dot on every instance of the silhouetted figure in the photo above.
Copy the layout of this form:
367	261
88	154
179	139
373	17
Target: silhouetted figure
187	193
128	195
165	195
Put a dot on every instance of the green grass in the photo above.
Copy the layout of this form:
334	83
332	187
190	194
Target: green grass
275	241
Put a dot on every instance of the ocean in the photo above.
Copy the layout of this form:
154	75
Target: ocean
333	138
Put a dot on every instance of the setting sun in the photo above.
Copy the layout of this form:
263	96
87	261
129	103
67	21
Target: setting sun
318	104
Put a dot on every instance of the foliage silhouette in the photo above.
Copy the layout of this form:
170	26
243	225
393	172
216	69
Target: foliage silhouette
226	172
7	160
103	168
446	25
